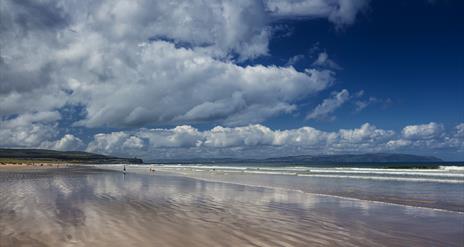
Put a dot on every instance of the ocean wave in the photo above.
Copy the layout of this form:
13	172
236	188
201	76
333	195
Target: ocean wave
430	180
399	173
449	172
452	168
398	178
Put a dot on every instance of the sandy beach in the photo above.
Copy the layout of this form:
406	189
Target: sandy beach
31	165
85	206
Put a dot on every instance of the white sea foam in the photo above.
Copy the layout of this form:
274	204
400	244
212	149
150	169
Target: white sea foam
434	173
442	175
397	178
432	180
452	168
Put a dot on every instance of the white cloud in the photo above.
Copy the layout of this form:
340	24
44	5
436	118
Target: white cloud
340	12
362	104
136	63
28	130
133	142
26	136
87	53
179	137
432	137
253	141
323	60
108	143
305	136
294	60
456	140
396	144
251	135
215	27
179	85
460	130
36	130
67	143
261	141
423	131
329	105
366	133
31	118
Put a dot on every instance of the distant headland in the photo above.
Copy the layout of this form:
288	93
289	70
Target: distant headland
8	155
390	160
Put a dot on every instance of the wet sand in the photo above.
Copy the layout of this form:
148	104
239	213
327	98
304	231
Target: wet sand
444	195
91	207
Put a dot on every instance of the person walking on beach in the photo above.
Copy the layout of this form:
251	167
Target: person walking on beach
124	169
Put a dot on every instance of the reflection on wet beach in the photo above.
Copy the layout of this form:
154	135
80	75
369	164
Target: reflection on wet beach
438	189
91	207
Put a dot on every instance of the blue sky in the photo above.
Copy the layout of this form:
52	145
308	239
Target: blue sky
233	78
413	57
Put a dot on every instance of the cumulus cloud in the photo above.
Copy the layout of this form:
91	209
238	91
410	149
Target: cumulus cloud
329	105
114	142
366	133
261	141
28	130
423	131
179	85
457	140
28	31
139	63
132	63
241	136
67	143
36	130
234	141
400	143
432	136
460	130
179	137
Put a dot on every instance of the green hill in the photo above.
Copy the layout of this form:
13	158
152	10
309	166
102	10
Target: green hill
43	155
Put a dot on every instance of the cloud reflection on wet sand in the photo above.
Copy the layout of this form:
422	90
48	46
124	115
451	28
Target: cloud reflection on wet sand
85	207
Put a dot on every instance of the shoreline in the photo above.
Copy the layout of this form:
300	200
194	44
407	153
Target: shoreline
397	204
246	179
32	165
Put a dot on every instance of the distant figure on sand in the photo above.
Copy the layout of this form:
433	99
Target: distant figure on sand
124	169
152	169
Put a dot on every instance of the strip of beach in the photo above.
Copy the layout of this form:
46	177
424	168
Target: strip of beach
29	165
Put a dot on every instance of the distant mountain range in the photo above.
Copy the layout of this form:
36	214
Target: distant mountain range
44	155
317	159
357	158
91	158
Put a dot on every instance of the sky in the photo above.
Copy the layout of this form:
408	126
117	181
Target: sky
233	78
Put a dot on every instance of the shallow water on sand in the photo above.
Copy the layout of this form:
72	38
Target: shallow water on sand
92	207
432	188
